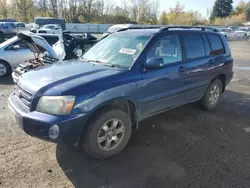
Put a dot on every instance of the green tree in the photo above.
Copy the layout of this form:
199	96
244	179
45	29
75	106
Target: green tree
163	20
247	11
222	9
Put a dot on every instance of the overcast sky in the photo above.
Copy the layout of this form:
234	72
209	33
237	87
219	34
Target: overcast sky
196	5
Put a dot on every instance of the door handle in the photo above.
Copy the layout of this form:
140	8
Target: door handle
181	69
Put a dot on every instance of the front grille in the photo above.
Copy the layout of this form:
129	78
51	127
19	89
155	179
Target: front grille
24	96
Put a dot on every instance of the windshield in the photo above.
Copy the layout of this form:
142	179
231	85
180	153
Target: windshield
49	26
225	30
117	49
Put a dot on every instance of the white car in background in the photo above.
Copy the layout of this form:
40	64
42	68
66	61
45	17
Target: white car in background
51	28
14	52
243	32
228	33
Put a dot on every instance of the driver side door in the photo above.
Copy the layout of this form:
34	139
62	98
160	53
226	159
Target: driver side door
19	53
162	88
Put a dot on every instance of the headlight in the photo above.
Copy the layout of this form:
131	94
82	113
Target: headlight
57	105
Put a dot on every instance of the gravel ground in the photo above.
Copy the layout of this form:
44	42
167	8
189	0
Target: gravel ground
185	147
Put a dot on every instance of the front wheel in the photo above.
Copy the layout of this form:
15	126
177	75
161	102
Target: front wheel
211	98
5	69
107	134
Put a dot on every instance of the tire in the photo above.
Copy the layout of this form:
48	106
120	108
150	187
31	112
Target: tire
95	130
245	36
206	102
5	69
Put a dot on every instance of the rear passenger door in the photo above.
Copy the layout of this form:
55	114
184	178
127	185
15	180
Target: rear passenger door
196	65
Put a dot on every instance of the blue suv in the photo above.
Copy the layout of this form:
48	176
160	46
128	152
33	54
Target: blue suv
130	75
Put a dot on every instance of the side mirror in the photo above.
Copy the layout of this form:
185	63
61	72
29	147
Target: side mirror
154	63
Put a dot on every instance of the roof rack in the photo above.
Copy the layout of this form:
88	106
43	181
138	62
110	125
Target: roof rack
139	27
163	28
190	27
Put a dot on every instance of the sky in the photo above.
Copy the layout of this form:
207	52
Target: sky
195	5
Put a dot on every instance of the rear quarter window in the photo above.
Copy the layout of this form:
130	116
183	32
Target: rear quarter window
194	46
216	44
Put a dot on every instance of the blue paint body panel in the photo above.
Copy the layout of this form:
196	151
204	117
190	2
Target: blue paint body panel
94	85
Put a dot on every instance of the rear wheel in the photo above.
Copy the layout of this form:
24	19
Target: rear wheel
212	96
107	134
5	69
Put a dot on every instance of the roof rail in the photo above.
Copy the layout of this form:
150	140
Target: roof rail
141	27
163	28
189	27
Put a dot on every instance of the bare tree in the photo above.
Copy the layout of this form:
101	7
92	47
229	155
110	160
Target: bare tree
3	8
23	9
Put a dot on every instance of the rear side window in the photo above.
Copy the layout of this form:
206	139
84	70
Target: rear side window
194	46
216	45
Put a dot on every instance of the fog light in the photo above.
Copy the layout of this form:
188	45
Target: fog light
54	132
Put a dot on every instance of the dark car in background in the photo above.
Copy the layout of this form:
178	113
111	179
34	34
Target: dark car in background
130	75
41	21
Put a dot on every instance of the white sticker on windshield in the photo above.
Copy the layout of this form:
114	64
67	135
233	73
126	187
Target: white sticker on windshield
127	51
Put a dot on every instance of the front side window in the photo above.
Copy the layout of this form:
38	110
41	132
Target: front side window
216	44
117	49
194	46
18	45
168	47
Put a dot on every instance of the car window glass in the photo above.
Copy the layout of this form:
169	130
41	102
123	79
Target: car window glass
117	49
51	39
216	44
167	47
194	46
18	45
207	46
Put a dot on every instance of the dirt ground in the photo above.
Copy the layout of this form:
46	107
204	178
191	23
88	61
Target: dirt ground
185	147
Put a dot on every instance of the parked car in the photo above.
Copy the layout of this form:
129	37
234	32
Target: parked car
20	26
7	29
41	21
14	52
243	32
117	27
228	33
97	100
51	28
67	47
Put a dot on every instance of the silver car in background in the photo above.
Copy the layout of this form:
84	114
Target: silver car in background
12	53
7	29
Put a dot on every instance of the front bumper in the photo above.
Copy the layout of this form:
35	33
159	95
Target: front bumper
37	124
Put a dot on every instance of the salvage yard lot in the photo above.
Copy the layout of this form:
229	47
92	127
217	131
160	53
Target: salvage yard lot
184	147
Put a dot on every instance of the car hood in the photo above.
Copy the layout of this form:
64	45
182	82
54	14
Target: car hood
37	44
64	74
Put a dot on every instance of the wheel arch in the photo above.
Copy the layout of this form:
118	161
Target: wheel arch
222	78
125	104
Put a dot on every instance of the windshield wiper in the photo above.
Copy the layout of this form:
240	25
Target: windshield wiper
105	63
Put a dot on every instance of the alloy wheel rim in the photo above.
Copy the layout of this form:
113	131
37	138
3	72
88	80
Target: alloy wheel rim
214	94
110	135
3	69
